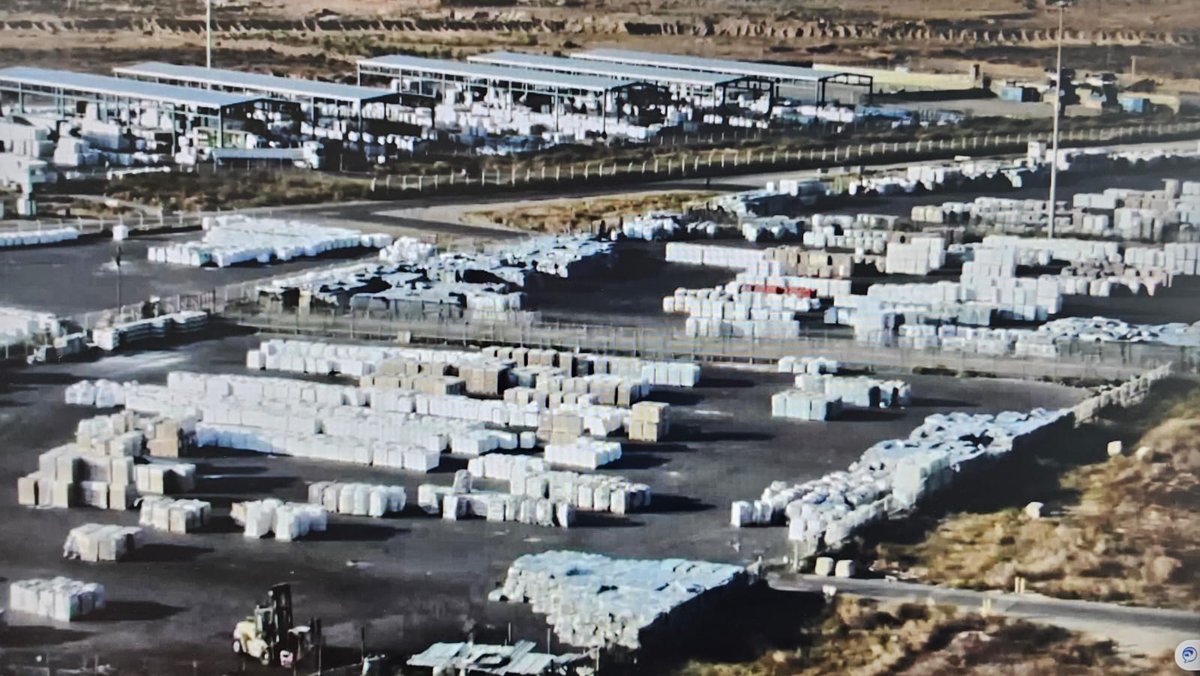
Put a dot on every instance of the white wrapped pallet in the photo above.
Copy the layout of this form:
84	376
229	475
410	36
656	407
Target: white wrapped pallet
234	239
805	405
60	599
100	542
584	453
287	520
357	499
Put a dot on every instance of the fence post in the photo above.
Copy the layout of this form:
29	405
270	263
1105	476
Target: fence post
482	177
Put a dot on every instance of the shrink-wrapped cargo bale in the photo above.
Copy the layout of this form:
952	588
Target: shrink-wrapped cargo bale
596	602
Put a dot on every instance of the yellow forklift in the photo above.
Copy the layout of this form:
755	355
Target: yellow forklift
270	634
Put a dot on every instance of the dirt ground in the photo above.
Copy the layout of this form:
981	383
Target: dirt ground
574	215
1012	37
859	636
1115	529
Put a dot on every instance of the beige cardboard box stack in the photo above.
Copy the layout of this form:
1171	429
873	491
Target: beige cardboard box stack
162	478
485	379
95	471
174	516
429	383
650	421
165	439
560	427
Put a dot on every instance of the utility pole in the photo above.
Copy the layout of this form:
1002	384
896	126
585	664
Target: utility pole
208	33
1058	84
117	261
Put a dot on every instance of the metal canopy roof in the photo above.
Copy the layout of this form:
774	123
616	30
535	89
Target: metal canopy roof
605	69
682	61
257	82
480	71
106	85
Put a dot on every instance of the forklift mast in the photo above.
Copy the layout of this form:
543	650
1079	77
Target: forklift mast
279	598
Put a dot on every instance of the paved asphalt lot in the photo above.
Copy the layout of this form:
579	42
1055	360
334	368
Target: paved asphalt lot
413	579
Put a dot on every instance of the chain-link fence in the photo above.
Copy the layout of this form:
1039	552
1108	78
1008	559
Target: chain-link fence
672	162
683	162
1079	361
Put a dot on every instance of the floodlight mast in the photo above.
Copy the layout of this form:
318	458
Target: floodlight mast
208	33
1058	84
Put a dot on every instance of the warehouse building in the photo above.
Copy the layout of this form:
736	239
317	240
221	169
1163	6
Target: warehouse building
713	92
152	107
491	98
366	121
317	98
794	80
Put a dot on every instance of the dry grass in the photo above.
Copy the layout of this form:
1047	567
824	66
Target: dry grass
582	214
236	189
1127	537
862	637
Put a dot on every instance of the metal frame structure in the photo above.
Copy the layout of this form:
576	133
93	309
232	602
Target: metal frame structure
686	83
297	90
404	71
184	104
780	74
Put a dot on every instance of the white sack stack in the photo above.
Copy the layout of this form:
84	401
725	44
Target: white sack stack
59	599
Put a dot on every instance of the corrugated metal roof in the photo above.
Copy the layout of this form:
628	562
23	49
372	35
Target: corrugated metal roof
287	87
115	86
605	69
481	71
685	62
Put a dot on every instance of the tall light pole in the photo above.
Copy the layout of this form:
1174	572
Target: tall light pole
1058	84
208	33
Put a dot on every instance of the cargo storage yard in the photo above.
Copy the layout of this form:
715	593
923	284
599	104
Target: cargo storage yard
677	353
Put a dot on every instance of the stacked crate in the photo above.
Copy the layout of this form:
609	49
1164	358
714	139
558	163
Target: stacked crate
94	542
163	478
59	599
649	421
174	516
